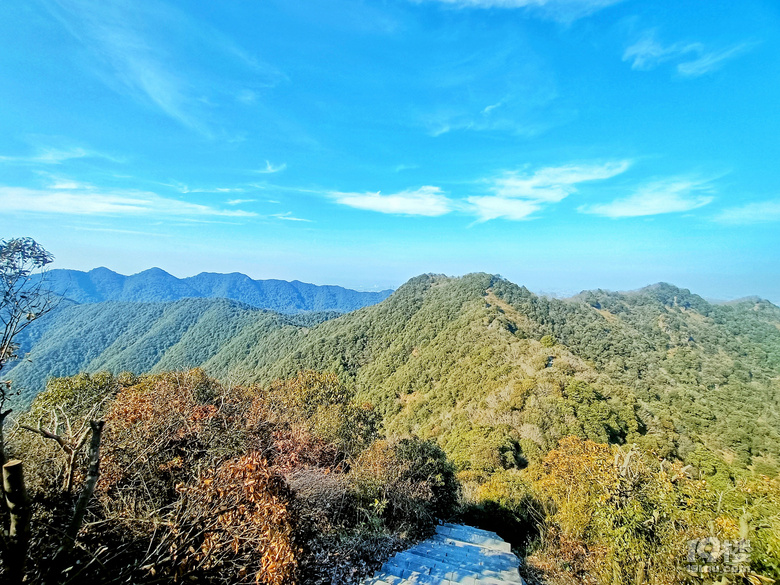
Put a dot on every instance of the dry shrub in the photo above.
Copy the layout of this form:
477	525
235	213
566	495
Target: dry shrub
154	438
321	487
193	484
323	497
408	483
296	447
236	526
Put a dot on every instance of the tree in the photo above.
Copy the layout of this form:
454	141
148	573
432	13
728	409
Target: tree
24	299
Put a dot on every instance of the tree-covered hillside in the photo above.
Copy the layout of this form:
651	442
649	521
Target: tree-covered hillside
498	374
156	285
138	337
493	372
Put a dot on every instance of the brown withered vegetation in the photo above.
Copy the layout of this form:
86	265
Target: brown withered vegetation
210	483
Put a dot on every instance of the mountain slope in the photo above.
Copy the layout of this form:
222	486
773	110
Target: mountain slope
487	367
156	285
496	374
136	337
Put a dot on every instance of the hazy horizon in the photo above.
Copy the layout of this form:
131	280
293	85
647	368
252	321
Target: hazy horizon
552	292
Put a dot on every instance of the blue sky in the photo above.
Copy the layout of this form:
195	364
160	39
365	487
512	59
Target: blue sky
564	144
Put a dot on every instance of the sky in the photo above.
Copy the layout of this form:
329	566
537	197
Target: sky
564	144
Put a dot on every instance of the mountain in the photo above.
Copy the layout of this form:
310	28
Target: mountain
156	285
496	374
612	428
138	337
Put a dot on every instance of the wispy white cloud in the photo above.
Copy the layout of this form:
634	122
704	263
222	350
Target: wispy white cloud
184	189
289	217
552	184
269	168
56	156
693	58
143	50
239	201
508	91
518	195
668	196
711	61
750	213
561	10
427	201
109	203
494	207
69	184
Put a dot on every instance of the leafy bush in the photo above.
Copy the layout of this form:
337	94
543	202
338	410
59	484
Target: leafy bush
616	515
234	525
408	483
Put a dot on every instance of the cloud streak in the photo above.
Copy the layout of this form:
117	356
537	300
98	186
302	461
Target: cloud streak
270	169
519	195
751	213
56	156
142	51
657	198
711	61
426	201
112	203
515	195
693	59
561	10
493	207
290	217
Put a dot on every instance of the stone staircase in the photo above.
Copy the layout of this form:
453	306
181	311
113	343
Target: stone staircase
455	555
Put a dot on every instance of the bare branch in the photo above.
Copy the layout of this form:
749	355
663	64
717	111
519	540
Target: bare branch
46	434
81	504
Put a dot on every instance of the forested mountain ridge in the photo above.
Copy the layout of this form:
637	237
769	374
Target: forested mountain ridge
138	337
155	285
493	372
483	364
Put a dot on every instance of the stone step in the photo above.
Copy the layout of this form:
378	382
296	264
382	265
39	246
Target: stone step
446	548
435	575
500	547
420	556
481	537
455	555
469	529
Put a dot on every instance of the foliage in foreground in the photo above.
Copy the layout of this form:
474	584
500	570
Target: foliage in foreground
293	482
221	484
608	515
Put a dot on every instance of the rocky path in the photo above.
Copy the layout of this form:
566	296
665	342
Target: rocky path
455	555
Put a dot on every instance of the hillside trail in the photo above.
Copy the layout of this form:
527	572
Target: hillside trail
455	555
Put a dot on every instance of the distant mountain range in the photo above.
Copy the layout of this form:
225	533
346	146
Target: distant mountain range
156	285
